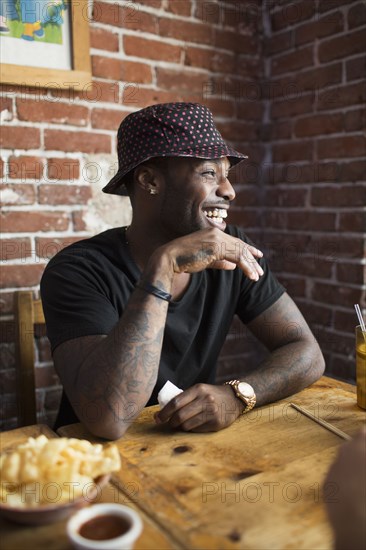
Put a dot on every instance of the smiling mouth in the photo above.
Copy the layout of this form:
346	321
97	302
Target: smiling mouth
216	215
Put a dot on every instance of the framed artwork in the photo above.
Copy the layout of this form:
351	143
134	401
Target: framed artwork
45	43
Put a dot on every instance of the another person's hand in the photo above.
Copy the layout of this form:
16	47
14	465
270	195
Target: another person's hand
201	408
347	508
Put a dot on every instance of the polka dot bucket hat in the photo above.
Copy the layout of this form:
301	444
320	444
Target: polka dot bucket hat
167	130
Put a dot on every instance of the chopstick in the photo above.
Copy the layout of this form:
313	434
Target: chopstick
323	423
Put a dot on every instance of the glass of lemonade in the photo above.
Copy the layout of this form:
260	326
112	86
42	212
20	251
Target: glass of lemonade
361	367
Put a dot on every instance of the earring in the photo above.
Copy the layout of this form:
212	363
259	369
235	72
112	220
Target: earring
153	191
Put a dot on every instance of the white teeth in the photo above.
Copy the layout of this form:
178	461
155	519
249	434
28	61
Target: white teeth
217	213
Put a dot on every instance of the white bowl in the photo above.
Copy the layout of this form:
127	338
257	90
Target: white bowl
124	541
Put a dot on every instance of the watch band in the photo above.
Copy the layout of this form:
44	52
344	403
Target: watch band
249	402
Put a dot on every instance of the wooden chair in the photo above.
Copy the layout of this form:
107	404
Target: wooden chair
28	313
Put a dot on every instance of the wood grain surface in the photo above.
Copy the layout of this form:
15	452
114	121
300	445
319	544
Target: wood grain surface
255	485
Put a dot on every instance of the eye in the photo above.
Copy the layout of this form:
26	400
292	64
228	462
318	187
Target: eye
210	173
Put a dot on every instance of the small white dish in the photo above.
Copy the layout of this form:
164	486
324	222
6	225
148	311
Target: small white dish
103	521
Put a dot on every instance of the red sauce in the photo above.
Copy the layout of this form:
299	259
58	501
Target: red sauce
104	527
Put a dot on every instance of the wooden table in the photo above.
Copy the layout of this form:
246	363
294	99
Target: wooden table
255	485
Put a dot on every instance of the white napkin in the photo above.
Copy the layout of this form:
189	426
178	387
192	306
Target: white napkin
167	392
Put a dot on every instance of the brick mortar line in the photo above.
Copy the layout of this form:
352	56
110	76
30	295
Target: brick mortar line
59	127
334	308
303	186
277	8
328	89
334	332
305	163
350	261
145	8
314	18
160	62
323	87
307	232
302	70
319	66
105	104
295	186
320	138
320	39
121	32
294	48
289	98
104	131
19	236
230	98
170	39
64	234
330	282
48	181
348	109
41	209
46	156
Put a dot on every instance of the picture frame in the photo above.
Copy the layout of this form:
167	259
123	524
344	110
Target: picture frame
77	77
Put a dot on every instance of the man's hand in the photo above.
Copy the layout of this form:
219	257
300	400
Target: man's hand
201	408
346	480
212	248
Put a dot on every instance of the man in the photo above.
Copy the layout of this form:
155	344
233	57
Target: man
134	307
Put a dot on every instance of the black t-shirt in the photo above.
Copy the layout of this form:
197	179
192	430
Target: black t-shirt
86	286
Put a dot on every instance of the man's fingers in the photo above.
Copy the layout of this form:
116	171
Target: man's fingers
249	265
244	256
255	251
201	408
174	405
197	423
188	410
197	413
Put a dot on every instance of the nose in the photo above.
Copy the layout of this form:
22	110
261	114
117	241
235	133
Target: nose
225	189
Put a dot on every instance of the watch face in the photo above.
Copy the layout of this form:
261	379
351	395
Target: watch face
245	389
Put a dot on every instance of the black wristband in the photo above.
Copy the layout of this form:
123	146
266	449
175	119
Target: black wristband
154	290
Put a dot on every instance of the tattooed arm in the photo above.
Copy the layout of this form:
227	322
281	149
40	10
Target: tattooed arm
295	362
109	378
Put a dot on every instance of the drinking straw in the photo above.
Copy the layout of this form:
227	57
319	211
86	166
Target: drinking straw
360	319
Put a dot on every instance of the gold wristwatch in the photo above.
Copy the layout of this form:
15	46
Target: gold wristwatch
245	393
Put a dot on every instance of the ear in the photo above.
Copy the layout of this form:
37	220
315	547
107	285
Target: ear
147	178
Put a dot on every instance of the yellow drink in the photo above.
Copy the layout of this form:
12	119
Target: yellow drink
361	367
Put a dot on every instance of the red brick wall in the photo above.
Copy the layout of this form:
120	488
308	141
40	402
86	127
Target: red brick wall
280	90
314	216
